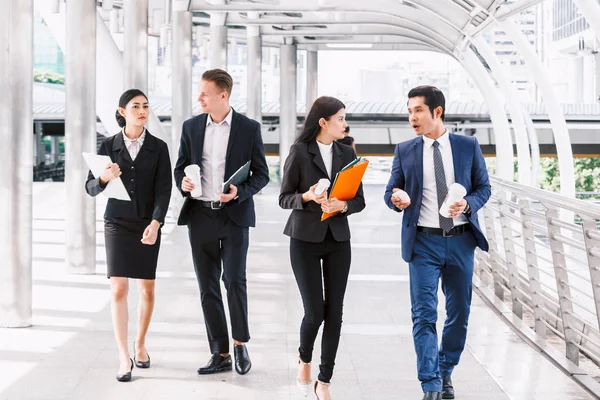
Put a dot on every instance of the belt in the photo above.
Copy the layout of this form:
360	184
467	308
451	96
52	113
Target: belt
457	230
213	205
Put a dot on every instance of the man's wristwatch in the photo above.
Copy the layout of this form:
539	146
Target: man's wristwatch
345	209
467	209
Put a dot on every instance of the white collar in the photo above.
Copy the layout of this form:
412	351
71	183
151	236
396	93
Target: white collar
227	119
140	139
325	146
443	140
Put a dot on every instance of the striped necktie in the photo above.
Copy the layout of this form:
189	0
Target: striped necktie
440	183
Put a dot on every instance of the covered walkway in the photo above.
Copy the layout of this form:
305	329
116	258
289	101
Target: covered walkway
70	353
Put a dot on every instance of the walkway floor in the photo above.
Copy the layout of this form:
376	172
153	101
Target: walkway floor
70	353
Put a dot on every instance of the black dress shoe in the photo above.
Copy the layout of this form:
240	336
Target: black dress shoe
217	363
447	388
432	396
242	359
141	364
126	377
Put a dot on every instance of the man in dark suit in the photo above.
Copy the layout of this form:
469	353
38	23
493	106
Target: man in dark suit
220	141
435	246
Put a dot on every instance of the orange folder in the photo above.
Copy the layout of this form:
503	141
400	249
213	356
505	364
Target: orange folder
347	182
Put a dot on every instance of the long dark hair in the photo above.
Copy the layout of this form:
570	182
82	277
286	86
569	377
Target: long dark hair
323	107
124	100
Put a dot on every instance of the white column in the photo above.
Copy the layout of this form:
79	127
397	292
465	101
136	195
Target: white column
16	162
491	95
577	86
597	75
555	113
312	77
514	106
40	151
182	75
287	111
254	77
135	44
80	134
218	41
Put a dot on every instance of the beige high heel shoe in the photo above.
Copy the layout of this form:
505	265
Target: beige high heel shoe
303	387
315	388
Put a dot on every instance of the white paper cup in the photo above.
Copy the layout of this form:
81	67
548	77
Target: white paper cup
402	196
456	192
322	186
192	172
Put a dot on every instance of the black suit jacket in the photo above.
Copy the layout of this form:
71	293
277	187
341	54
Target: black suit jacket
147	179
245	144
303	168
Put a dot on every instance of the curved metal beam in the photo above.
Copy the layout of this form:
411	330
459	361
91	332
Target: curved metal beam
349	19
502	137
514	107
351	31
555	113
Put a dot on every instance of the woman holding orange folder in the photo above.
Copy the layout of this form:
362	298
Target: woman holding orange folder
319	250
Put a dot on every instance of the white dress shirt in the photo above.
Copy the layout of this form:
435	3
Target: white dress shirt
134	145
429	214
327	154
216	137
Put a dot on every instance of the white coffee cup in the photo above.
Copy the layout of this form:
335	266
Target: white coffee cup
192	172
456	192
322	186
402	196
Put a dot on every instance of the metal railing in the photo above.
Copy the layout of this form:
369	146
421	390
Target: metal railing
544	262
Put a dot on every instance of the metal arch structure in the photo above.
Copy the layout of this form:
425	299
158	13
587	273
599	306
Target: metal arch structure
401	24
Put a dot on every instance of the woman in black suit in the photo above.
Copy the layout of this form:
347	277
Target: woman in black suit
319	251
132	228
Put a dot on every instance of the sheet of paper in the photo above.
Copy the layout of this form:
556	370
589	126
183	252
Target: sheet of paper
115	188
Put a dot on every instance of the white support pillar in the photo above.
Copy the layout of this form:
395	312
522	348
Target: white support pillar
182	75
514	107
80	135
312	77
597	74
16	161
555	113
502	137
135	48
254	77
218	41
40	151
287	111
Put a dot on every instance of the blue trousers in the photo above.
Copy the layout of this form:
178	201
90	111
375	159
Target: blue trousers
451	259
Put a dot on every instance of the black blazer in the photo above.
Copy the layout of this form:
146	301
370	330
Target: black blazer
303	168
245	144
147	179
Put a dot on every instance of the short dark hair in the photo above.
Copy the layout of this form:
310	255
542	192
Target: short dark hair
433	97
221	79
126	97
324	107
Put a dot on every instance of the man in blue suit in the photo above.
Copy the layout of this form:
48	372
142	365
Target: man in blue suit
435	246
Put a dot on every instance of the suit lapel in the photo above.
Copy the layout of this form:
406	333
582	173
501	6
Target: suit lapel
313	149
201	130
419	160
146	149
235	125
456	157
119	147
337	162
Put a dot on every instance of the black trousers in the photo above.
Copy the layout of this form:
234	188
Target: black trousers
321	305
214	238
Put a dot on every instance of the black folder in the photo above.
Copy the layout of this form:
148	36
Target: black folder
238	177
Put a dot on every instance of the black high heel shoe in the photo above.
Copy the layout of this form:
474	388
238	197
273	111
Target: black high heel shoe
127	376
141	364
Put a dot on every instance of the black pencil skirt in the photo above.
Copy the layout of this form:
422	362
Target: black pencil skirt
126	255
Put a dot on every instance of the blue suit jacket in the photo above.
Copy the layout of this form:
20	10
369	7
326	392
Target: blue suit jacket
407	174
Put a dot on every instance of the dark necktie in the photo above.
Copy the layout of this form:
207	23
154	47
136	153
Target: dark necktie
440	183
